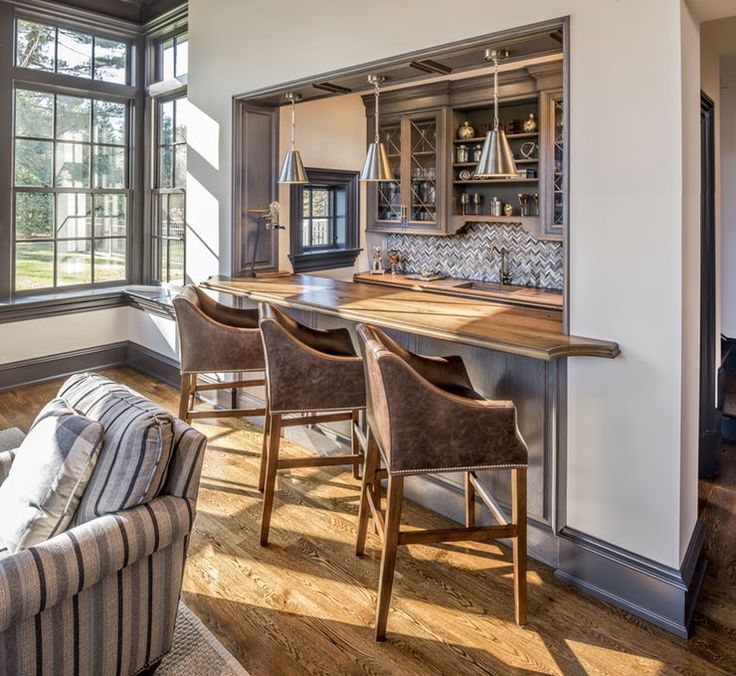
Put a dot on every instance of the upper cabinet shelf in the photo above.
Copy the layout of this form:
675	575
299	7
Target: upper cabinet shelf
434	191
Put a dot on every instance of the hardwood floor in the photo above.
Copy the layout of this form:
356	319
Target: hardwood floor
305	604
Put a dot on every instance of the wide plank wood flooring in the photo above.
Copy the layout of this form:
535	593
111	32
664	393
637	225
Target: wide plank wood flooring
305	604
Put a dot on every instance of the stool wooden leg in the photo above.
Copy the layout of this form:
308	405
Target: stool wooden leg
186	397
264	451
388	555
192	391
469	502
369	476
355	445
274	442
518	518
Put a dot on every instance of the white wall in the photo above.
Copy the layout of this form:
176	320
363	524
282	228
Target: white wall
36	338
330	134
728	196
625	432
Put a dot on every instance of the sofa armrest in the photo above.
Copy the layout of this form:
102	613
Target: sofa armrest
40	577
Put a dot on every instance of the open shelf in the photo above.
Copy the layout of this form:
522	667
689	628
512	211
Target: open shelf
510	137
509	181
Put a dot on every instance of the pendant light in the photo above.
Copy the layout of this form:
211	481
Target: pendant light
292	169
496	159
376	166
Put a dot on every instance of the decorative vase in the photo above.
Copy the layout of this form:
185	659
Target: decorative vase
465	131
508	209
530	124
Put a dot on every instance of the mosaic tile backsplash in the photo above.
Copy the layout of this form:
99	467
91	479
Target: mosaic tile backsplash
468	254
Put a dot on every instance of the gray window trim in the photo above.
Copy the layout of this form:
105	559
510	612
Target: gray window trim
139	152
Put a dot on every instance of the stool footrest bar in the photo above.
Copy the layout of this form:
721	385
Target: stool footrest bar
456	534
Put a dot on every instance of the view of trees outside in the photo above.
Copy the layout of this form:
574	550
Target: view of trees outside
66	148
170	217
70	163
59	50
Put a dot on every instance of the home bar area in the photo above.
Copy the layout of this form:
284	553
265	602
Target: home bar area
453	239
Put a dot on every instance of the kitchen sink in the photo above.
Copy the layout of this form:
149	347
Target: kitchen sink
484	286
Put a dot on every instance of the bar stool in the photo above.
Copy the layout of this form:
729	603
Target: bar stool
312	376
215	338
424	416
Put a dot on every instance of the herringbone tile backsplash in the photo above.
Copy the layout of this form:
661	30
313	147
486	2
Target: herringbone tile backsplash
468	254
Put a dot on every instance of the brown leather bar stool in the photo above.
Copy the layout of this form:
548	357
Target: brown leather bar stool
424	416
215	338
312	376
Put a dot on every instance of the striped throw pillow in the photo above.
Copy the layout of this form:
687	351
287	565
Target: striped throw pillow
50	472
138	444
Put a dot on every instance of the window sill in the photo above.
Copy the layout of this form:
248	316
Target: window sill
324	260
152	299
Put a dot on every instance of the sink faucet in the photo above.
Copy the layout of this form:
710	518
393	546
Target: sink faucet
505	274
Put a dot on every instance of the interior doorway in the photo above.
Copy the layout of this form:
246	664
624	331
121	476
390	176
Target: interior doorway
709	415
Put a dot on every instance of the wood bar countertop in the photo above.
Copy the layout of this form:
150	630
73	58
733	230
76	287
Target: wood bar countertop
505	293
529	332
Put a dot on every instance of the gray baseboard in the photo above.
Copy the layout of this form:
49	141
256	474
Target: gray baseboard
32	371
659	594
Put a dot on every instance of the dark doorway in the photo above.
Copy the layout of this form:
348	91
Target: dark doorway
709	416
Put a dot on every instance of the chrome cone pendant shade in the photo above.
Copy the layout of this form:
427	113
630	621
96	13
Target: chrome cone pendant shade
292	169
496	159
376	166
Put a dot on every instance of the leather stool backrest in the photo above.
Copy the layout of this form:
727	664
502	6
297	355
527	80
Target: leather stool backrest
216	338
426	416
309	369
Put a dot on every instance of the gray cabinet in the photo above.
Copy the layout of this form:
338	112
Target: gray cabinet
416	201
553	163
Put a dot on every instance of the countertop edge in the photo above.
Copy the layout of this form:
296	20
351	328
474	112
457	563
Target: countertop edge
587	347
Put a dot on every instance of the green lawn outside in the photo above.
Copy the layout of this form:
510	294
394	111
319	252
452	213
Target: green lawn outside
34	267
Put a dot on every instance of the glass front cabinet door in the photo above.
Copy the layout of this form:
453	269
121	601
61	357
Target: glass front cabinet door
554	163
415	201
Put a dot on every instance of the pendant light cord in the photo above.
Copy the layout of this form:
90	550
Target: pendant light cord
293	123
495	94
376	88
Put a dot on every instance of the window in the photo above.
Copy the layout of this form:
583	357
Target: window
173	57
68	52
70	190
169	193
324	220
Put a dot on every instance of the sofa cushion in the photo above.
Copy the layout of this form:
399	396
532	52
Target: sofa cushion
48	476
138	444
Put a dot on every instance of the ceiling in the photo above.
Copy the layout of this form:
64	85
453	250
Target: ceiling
442	63
139	11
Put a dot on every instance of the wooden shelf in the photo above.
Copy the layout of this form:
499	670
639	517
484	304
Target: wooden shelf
511	137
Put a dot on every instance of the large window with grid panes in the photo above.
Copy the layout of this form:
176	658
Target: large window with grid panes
71	154
170	108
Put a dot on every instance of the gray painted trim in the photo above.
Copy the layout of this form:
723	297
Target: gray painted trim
153	364
38	370
659	594
19	311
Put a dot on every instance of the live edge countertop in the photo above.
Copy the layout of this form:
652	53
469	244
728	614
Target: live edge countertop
528	332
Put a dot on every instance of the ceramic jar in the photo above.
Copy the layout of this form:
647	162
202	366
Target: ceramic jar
465	131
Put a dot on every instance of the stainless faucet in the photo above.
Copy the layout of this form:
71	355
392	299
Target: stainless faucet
505	274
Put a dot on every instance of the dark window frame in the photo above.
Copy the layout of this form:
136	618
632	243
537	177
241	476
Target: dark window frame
61	84
160	194
308	259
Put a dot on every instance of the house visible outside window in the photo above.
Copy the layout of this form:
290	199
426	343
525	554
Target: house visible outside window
324	213
71	177
324	220
169	177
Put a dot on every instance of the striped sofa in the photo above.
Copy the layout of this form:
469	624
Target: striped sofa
101	598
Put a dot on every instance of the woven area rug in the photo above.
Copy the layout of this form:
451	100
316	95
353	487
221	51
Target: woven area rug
197	652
